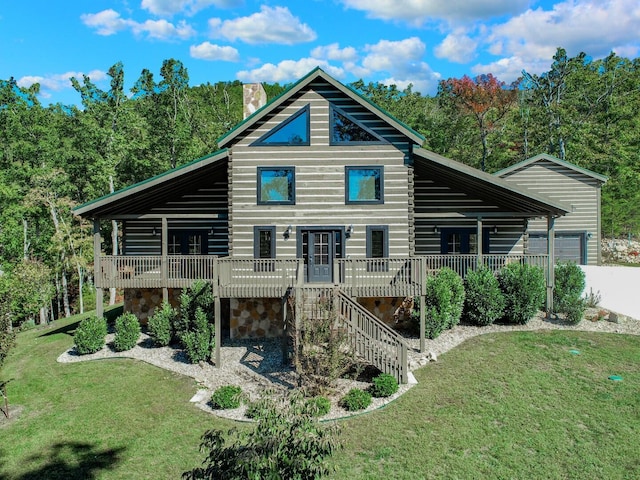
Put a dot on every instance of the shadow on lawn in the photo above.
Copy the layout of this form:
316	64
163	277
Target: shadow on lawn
68	329
69	460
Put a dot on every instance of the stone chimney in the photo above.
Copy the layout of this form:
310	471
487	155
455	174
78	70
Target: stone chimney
253	98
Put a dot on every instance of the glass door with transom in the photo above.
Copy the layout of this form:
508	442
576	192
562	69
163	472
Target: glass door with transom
319	249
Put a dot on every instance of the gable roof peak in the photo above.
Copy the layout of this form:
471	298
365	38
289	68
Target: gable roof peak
227	139
553	159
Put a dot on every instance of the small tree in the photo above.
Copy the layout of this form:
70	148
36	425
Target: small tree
287	442
322	353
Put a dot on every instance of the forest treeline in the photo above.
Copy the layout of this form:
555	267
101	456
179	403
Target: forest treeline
55	157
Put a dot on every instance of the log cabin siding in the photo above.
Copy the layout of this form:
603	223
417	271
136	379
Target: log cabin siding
207	200
320	180
561	183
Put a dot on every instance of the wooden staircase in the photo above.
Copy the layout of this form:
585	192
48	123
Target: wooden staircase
371	340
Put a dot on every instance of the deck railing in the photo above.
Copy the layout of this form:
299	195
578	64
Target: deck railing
240	277
372	340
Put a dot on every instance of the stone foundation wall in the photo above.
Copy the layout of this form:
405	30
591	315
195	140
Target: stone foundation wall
255	317
142	302
382	307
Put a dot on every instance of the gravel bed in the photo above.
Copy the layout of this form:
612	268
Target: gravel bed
256	366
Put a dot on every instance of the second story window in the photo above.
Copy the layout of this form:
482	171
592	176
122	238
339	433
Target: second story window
276	186
364	185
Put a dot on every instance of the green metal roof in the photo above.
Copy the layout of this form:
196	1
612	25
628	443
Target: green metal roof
299	85
551	158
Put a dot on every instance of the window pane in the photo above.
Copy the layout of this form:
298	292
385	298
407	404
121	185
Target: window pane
264	248
364	184
174	245
276	185
291	132
377	243
345	130
453	241
195	244
473	243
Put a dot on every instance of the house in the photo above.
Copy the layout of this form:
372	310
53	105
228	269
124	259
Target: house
577	234
317	191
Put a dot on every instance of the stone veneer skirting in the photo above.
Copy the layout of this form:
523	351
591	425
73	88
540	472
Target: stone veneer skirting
142	302
256	317
248	317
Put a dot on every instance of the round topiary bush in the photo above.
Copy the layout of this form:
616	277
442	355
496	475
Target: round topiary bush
127	332
90	335
524	290
356	399
384	385
227	396
484	301
160	325
318	406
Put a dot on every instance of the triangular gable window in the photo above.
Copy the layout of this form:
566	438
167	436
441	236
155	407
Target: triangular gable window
345	129
293	131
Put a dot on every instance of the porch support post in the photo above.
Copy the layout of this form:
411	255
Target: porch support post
217	314
479	242
551	241
285	330
164	251
423	305
97	268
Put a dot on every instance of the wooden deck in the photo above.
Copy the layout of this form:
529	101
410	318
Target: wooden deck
271	278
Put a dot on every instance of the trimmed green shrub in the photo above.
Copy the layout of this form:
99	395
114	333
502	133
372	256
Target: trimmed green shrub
199	295
225	397
199	342
573	309
524	290
317	406
356	399
484	301
160	325
384	385
444	302
90	335
567	293
456	287
127	332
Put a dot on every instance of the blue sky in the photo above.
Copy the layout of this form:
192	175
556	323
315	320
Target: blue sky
391	41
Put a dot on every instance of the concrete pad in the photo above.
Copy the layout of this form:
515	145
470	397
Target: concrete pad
619	288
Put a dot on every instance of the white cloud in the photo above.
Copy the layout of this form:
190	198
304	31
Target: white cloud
510	69
106	22
593	26
109	22
287	71
421	11
209	51
163	30
189	7
58	82
457	48
334	52
388	55
270	25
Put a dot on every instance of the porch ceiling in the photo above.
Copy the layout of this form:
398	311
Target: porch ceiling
144	197
489	188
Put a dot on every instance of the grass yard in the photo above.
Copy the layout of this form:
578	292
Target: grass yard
517	405
513	405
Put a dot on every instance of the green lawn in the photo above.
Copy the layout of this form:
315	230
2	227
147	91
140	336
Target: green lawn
516	405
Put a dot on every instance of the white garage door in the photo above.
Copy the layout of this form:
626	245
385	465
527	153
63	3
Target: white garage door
568	246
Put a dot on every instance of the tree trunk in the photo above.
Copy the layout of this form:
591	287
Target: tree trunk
65	295
114	244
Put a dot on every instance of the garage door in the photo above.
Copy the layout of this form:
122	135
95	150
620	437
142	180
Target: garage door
568	247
